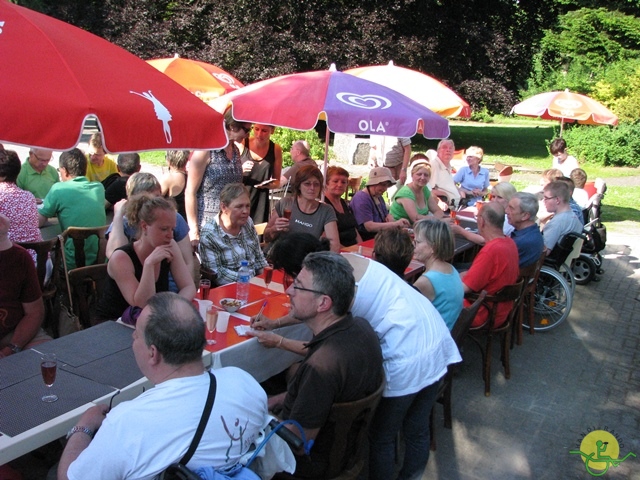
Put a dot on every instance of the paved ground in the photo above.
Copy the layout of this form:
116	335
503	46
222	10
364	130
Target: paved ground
582	375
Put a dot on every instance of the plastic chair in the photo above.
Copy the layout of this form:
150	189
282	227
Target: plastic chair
530	276
509	293
44	250
458	333
79	235
87	285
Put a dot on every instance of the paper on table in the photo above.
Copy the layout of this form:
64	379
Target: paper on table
242	330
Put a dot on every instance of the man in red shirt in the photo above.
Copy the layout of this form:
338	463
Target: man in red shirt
496	266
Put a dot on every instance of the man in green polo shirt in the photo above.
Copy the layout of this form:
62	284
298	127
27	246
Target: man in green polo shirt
36	175
76	202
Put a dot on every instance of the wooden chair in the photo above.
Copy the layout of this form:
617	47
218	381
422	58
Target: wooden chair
458	333
87	285
530	276
510	293
44	250
350	423
79	235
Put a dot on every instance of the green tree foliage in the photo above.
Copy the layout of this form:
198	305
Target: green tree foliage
481	48
607	146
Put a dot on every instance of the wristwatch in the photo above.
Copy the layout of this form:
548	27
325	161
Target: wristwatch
15	348
84	430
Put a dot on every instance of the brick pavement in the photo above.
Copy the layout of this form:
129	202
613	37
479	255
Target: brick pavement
581	375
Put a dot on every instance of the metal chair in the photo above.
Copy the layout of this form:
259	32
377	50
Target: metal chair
44	250
509	293
458	333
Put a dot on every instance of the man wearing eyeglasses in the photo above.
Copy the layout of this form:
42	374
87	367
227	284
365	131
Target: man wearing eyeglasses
343	361
36	175
556	198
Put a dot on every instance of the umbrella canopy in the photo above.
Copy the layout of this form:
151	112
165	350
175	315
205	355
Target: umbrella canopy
204	80
349	105
566	107
425	90
54	75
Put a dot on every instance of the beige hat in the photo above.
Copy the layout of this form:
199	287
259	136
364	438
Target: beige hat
379	175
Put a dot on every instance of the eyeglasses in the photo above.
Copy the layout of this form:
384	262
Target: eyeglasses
549	198
296	287
46	160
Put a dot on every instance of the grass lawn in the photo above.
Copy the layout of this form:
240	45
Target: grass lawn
523	145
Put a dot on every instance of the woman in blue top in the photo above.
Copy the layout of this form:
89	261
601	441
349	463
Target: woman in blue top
473	180
414	201
440	283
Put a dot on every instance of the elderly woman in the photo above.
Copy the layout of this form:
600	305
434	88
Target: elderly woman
502	192
262	161
414	201
209	171
369	208
18	205
141	269
303	212
473	179
231	237
337	181
440	283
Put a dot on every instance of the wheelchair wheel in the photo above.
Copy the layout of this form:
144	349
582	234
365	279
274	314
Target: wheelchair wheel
553	300
567	273
584	270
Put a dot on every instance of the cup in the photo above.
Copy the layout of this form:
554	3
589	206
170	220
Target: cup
287	213
205	286
203	305
223	322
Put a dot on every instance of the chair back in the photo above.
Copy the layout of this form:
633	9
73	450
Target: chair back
509	293
463	323
353	186
87	285
79	235
350	423
43	249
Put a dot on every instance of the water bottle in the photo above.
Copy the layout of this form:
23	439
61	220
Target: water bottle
244	277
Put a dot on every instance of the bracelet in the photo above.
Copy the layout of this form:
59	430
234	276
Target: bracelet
280	343
79	429
15	348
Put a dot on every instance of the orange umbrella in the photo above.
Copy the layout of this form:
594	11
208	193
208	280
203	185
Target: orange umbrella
421	88
204	80
566	107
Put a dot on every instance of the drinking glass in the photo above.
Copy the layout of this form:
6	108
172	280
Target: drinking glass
205	286
48	368
268	276
287	213
212	319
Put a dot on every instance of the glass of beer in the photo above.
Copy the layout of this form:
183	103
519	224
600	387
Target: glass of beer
287	213
212	320
205	286
48	368
268	277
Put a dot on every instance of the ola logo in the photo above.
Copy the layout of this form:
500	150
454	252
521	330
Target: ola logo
600	450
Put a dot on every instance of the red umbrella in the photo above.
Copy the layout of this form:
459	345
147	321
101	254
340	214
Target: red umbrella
566	107
54	75
204	80
417	86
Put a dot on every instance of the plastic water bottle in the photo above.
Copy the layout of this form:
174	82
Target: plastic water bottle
244	277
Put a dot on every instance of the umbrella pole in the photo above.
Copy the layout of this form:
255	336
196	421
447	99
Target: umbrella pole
561	126
326	159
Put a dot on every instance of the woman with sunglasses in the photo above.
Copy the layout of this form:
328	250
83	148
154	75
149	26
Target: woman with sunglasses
209	172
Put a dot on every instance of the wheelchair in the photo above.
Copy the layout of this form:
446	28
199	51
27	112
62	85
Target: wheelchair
553	297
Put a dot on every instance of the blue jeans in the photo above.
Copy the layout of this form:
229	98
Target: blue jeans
411	414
